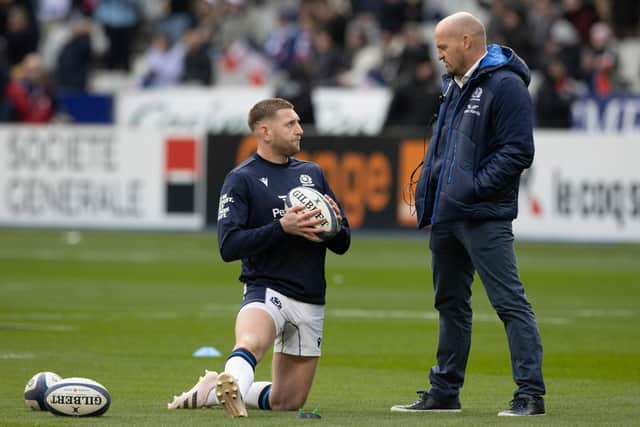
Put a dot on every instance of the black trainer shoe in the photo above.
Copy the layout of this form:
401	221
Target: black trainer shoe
427	403
524	405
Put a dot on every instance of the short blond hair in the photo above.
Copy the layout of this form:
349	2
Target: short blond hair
267	108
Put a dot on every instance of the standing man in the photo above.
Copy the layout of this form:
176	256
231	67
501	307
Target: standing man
468	194
283	263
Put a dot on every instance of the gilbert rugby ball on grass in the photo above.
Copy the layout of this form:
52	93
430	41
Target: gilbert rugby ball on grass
312	199
36	387
77	397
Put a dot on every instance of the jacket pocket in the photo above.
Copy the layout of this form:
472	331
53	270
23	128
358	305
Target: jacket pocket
460	179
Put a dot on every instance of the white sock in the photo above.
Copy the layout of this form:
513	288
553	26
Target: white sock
255	395
242	371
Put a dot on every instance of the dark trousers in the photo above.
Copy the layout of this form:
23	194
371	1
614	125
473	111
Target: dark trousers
458	250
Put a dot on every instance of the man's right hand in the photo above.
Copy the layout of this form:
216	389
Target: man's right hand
302	223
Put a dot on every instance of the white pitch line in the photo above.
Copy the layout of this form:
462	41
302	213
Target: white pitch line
424	315
16	356
104	256
592	313
36	327
210	310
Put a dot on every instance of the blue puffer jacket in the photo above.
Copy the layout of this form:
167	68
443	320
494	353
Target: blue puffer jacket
484	151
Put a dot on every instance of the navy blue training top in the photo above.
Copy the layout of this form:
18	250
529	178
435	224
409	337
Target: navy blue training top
251	205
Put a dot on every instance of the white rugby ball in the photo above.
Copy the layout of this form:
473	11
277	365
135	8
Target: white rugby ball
312	199
36	387
77	397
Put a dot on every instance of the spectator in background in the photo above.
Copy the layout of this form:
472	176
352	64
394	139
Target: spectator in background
541	19
415	101
414	51
208	14
600	61
326	62
366	7
120	19
282	42
57	10
239	23
5	7
330	15
625	17
72	68
494	22
21	34
582	14
198	67
513	30
86	7
177	20
361	56
297	89
555	95
4	80
391	47
564	43
394	14
28	93
163	62
52	10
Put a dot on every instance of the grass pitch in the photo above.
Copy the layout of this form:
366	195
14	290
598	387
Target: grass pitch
129	309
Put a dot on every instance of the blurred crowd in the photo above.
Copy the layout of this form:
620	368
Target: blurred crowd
53	47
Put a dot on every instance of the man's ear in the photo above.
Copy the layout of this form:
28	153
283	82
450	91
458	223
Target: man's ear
264	131
467	41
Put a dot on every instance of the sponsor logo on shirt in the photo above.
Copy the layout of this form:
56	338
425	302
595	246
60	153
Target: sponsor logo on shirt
223	206
472	109
279	213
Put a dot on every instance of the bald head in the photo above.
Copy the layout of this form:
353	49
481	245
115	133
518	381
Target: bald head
464	23
460	40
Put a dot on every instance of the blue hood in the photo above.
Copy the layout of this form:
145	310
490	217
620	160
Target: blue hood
504	57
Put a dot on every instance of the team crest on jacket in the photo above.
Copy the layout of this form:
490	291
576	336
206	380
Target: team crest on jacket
475	96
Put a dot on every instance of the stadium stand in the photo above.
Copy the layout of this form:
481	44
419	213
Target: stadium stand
297	45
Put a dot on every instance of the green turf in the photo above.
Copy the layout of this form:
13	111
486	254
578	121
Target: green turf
128	310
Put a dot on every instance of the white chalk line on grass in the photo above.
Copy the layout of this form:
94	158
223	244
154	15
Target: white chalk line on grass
425	315
16	356
19	321
36	327
104	256
593	313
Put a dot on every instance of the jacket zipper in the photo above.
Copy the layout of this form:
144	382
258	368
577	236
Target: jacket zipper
443	168
446	150
437	135
453	160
